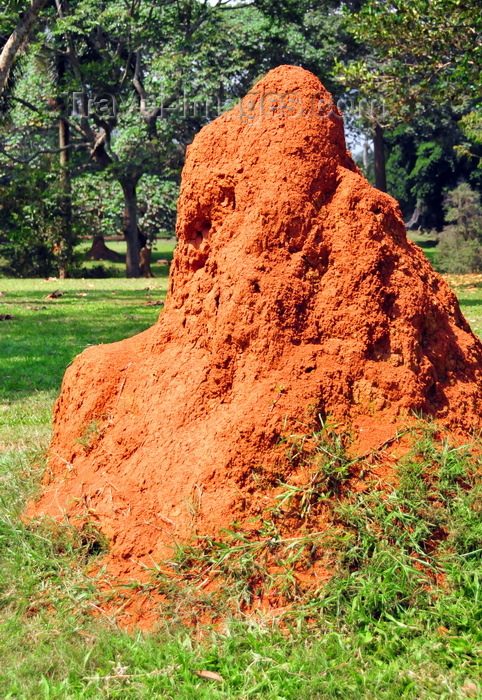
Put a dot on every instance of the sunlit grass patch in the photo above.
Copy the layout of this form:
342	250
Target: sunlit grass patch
47	333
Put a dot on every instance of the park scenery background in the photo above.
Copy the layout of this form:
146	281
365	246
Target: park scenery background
359	574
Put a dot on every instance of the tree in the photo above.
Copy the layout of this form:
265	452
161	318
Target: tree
114	64
423	164
471	125
129	54
30	202
35	138
418	55
418	50
17	38
460	246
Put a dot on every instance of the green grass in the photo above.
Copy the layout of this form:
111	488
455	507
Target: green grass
46	334
401	617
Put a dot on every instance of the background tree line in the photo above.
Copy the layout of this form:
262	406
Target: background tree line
86	150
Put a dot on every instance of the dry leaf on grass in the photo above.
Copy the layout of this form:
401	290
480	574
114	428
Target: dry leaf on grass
470	689
210	675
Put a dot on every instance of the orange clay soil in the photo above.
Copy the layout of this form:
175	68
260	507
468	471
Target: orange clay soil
294	293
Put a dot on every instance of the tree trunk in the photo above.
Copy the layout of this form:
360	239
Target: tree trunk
66	236
129	227
66	243
16	39
379	150
99	251
145	265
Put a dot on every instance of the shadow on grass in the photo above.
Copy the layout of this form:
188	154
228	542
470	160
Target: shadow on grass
469	302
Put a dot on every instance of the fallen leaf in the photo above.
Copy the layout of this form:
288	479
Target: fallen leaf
470	689
210	675
154	303
54	295
88	636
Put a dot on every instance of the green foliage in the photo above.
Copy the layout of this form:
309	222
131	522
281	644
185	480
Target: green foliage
422	165
8	21
418	53
158	206
434	168
463	209
29	221
97	205
472	126
413	60
460	246
128	59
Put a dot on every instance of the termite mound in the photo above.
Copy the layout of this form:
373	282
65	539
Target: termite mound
294	294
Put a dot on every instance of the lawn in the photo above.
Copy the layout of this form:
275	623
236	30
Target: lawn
397	621
47	333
